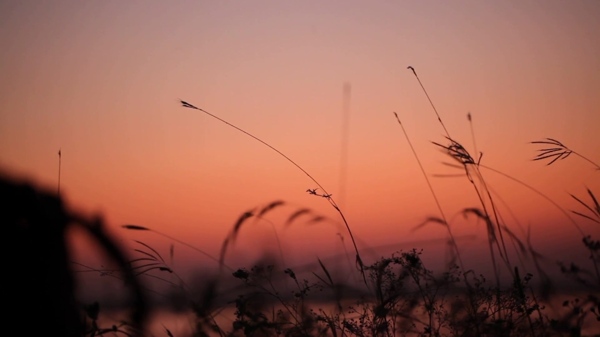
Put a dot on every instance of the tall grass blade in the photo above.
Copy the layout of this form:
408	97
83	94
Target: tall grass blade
326	272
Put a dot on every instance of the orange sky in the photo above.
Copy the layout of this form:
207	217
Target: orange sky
101	81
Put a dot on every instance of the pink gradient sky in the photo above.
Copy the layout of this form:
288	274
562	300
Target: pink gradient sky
101	81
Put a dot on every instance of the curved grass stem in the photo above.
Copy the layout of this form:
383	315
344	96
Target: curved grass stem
327	195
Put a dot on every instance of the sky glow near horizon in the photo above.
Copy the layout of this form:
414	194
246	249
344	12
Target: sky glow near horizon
101	81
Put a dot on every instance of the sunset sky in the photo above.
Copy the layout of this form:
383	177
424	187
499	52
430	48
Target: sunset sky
101	82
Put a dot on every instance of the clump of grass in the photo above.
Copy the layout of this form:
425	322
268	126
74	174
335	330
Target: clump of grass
471	168
403	297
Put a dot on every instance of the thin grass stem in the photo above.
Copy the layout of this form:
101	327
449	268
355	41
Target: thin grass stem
59	163
430	101
469	118
326	194
536	191
437	202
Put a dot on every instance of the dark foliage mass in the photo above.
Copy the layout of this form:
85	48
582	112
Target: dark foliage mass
40	285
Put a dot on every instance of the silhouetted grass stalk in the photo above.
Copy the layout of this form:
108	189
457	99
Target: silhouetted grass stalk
325	193
59	162
469	118
458	152
437	202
